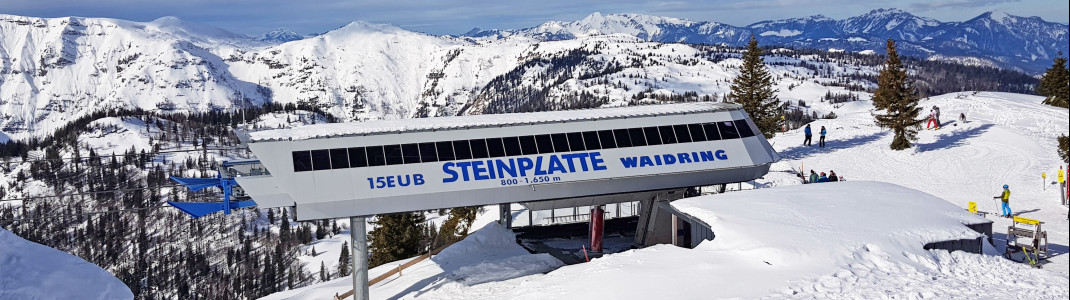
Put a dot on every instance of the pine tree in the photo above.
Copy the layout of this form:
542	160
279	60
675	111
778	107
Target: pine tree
456	226
395	237
343	260
753	89
1055	84
898	99
324	275
321	231
284	229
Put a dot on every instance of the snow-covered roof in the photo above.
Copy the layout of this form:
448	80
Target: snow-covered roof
832	214
478	121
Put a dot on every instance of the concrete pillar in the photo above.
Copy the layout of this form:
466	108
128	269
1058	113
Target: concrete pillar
359	236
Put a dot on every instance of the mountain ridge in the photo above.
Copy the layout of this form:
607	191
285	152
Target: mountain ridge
1038	40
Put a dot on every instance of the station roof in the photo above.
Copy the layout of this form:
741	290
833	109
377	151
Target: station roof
317	131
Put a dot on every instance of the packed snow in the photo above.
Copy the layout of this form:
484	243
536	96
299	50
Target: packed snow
33	271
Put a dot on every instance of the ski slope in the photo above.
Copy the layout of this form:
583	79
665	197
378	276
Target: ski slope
820	243
1007	139
33	271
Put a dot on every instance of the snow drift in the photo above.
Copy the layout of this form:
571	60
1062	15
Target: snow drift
32	271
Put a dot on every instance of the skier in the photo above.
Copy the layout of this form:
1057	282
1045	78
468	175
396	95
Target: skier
821	143
833	177
1006	198
809	135
813	177
962	117
936	111
932	120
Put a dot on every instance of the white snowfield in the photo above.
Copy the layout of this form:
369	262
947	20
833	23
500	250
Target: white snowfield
853	240
31	271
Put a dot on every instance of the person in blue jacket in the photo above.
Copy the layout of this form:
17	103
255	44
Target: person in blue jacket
824	178
1006	198
809	135
821	143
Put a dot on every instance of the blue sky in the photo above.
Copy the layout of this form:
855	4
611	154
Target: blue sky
458	16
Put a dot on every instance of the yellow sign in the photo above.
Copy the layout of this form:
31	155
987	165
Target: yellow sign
972	207
1043	175
1026	221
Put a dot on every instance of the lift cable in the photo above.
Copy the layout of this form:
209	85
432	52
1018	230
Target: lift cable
121	155
92	213
91	193
85	214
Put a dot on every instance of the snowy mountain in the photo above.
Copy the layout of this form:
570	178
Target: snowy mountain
55	70
280	36
997	38
32	271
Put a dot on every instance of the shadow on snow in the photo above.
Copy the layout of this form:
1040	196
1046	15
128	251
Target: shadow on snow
955	139
830	145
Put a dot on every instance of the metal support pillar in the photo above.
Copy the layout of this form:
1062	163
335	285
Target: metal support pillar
359	243
675	231
505	215
597	228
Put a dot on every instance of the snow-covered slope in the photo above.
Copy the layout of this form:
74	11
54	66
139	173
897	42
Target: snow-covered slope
32	271
1007	139
371	71
57	69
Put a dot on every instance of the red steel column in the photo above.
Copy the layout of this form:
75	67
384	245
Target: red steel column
597	228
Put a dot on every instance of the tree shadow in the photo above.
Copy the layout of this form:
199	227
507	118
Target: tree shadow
955	139
830	145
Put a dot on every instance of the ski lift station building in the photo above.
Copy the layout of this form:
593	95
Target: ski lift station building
542	160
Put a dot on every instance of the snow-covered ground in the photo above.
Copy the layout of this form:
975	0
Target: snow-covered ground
858	239
1006	139
487	255
843	240
33	271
